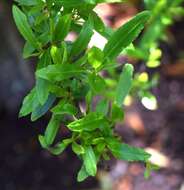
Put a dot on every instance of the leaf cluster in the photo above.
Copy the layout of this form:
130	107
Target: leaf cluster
68	73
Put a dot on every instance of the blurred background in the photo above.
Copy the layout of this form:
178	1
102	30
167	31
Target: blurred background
154	110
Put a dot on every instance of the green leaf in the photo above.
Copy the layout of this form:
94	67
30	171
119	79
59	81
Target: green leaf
125	35
149	168
42	90
95	57
56	54
78	149
124	84
42	141
83	39
59	54
45	60
82	174
102	107
90	161
28	50
97	83
64	108
98	23
29	2
59	72
89	123
52	129
58	148
62	27
28	104
24	27
39	110
125	152
117	113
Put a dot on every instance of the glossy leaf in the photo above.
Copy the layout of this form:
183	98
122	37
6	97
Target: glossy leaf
28	103
64	108
83	39
78	149
52	129
95	57
125	35
90	161
89	123
124	84
24	27
123	151
59	72
62	27
82	174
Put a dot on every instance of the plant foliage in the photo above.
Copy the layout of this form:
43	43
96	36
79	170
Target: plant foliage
68	73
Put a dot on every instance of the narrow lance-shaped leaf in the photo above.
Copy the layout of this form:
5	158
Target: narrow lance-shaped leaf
64	108
24	27
43	86
59	72
124	84
88	123
83	39
39	110
62	27
82	174
125	152
28	104
52	129
125	35
90	161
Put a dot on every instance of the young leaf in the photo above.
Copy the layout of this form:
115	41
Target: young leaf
124	84
42	141
56	54
90	161
125	35
95	57
78	149
149	168
24	27
82	174
58	148
89	123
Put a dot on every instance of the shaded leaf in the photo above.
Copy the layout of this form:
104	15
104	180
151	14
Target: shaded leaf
124	84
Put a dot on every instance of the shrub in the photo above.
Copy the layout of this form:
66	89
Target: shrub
68	73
